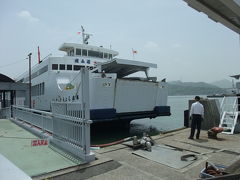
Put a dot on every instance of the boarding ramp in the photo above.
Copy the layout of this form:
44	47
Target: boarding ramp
229	114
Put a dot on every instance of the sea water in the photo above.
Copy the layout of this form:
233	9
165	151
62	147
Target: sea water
151	126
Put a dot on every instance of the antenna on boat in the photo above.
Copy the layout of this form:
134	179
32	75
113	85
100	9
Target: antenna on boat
85	36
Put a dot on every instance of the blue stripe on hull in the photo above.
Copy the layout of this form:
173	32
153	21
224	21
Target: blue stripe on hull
99	115
102	114
162	110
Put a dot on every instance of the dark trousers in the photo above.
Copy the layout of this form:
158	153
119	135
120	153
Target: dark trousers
196	123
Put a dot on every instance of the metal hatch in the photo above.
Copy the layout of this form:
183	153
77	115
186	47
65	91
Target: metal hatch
124	67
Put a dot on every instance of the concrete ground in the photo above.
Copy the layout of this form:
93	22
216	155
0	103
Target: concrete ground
15	145
223	151
119	162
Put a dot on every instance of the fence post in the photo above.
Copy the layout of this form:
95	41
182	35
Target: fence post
86	109
10	111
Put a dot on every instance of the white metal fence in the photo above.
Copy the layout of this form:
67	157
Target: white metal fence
74	109
40	119
70	134
68	124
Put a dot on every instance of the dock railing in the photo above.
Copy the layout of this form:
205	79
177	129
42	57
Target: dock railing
74	109
40	119
68	133
68	125
72	134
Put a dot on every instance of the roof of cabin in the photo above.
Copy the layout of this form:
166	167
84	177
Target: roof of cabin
68	46
4	78
236	76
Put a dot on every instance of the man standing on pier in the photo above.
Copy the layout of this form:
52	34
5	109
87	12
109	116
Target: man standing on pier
197	114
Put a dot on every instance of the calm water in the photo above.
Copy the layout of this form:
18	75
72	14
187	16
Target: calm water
151	126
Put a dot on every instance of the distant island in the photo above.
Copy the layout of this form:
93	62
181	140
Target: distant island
193	88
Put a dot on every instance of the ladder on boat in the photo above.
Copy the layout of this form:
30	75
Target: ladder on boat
229	114
228	122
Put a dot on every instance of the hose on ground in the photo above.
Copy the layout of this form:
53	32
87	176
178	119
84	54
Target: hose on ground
112	143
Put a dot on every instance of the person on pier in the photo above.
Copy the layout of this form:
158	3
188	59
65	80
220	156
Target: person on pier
197	115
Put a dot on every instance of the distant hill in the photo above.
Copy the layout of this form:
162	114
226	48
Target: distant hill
193	88
224	83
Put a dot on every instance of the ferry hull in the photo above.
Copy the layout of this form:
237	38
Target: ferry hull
124	99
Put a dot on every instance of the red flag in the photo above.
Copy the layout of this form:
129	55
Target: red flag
134	51
39	60
78	32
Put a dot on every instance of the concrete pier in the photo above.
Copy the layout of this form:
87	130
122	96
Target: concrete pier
119	162
223	151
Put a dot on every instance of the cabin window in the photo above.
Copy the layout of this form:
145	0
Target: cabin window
110	56
62	67
71	52
43	88
38	89
100	54
69	67
84	52
106	55
54	66
76	67
78	52
93	53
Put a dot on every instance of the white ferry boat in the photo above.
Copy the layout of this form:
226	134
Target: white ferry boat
114	94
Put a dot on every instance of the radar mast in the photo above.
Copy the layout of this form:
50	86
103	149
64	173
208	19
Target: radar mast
85	36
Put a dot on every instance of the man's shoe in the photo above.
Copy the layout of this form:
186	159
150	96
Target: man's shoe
197	137
190	138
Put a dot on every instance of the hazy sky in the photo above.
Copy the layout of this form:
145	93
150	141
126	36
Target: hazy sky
184	43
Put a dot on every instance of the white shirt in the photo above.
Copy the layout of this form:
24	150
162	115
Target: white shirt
197	108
